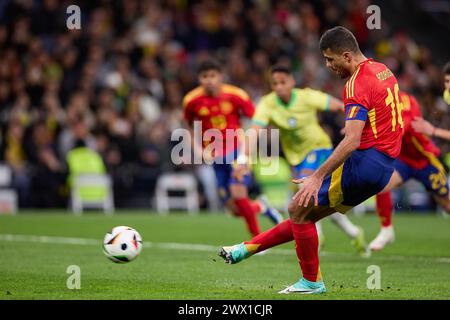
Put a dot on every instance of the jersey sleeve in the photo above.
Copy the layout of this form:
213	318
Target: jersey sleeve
357	98
246	105
262	113
317	99
188	113
415	108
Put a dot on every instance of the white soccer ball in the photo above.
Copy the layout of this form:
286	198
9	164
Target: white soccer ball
122	244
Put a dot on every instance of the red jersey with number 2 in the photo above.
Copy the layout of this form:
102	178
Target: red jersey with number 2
417	148
220	112
372	95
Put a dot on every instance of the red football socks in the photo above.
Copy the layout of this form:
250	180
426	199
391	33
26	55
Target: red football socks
279	234
384	208
307	248
247	211
257	208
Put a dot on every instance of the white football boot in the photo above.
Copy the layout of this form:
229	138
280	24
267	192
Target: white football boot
384	237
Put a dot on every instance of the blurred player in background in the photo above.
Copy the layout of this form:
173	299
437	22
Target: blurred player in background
305	144
418	159
360	167
220	106
423	126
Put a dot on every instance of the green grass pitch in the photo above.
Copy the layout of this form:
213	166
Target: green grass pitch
416	266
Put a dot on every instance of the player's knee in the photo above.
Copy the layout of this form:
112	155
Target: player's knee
231	206
292	207
238	192
294	212
236	196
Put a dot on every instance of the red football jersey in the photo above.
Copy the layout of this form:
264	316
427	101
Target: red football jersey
371	95
219	112
417	149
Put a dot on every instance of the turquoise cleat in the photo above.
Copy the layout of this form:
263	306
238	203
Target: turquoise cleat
304	286
234	254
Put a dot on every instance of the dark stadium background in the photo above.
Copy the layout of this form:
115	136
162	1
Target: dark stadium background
118	82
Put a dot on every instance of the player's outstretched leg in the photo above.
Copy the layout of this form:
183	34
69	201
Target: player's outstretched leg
247	212
356	233
279	234
384	211
244	207
306	247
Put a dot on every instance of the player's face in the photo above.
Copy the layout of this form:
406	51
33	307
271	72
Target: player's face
338	63
447	81
282	84
210	80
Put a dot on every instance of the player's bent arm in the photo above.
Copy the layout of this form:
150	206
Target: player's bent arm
423	126
335	104
441	133
351	142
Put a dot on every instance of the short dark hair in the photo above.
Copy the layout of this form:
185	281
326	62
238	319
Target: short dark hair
446	68
281	68
338	40
209	64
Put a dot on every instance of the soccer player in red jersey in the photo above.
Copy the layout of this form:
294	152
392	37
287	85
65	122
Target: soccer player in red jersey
361	166
218	107
423	126
418	159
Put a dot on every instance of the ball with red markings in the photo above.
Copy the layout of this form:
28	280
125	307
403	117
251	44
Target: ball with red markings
122	244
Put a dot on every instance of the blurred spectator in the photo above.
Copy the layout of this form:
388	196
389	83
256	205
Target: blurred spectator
48	171
15	156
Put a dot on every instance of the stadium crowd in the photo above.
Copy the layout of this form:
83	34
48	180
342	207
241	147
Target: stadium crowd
117	83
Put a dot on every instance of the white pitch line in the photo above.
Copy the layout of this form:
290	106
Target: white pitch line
48	239
188	246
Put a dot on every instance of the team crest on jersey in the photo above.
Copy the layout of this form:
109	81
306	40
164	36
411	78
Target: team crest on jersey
311	158
203	111
226	107
292	122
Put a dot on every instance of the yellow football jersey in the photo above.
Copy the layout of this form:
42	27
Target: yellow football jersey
447	96
300	131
